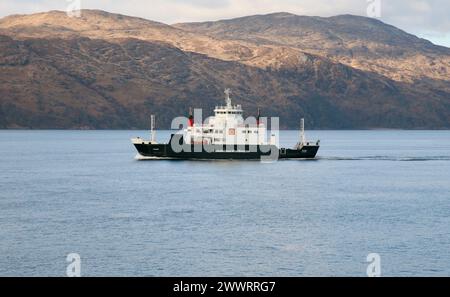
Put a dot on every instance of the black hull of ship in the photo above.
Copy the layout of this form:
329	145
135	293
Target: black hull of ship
211	152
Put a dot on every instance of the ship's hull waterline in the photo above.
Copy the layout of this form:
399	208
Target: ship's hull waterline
148	151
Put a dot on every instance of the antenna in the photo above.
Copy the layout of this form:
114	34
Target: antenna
152	128
258	117
302	131
227	97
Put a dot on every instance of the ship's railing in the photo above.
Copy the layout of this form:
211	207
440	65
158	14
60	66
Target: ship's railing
197	126
233	107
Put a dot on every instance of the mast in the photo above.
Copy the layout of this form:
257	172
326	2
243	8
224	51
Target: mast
152	128
302	131
258	117
227	97
191	118
258	122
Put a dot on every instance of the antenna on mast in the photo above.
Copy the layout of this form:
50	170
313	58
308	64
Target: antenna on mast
302	131
152	128
227	97
258	117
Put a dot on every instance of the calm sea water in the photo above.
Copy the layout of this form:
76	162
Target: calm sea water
386	192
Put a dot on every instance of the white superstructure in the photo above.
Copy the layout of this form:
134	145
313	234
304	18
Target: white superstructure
227	127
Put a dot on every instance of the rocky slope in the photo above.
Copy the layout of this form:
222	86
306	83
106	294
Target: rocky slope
111	71
359	42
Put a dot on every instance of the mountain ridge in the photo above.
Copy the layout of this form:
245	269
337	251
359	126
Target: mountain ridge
111	71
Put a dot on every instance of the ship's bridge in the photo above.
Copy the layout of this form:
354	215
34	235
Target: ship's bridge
229	109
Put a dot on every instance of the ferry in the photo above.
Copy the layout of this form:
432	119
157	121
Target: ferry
224	136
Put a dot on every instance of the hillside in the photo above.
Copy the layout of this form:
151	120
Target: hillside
106	70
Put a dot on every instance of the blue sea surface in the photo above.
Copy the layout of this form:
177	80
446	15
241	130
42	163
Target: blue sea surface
385	192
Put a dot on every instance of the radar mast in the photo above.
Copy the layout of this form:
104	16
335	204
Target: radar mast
227	97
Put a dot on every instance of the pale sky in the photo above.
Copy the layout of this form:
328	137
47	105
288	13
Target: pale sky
425	18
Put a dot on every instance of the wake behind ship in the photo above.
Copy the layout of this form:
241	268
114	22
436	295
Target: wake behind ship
224	136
